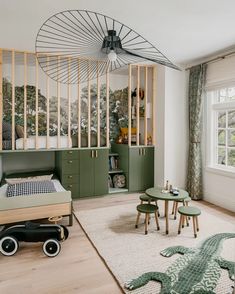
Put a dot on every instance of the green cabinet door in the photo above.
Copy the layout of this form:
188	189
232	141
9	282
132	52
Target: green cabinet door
86	172
135	169
101	170
147	168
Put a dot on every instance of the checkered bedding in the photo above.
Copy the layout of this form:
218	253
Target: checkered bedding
29	188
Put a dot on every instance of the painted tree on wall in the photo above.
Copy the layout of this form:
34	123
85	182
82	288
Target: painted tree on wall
118	110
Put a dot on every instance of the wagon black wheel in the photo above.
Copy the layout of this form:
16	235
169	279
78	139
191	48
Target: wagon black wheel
8	245
51	247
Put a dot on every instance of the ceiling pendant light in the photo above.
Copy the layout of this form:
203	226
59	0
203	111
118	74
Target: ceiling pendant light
98	42
112	56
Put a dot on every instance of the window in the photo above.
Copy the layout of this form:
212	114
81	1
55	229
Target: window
221	130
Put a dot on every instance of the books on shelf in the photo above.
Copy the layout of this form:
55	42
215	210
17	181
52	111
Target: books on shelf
113	163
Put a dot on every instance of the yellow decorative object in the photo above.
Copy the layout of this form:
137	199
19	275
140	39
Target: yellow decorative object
124	131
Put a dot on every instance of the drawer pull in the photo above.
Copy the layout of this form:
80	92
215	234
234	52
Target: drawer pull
70	161
70	152
70	186
70	177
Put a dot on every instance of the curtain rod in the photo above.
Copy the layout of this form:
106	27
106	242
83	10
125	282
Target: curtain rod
213	59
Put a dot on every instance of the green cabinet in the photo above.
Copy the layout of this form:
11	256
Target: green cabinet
67	166
141	168
137	164
83	172
101	171
93	172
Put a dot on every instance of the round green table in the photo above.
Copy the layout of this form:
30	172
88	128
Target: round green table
156	193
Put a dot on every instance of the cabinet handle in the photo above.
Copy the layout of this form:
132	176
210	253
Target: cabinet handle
70	152
144	151
70	161
96	153
70	177
70	186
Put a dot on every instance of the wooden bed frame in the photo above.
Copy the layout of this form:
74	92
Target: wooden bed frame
32	207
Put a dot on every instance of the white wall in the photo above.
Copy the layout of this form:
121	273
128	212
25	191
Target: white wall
219	189
171	127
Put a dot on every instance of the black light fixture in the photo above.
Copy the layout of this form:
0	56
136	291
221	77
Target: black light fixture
99	42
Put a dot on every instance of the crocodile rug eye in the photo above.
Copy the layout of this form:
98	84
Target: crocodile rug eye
196	272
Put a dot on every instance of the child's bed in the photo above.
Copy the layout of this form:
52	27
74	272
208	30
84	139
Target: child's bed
35	206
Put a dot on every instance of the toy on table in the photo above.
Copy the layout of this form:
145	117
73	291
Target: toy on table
50	234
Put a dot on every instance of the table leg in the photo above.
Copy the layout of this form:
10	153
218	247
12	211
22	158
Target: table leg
166	214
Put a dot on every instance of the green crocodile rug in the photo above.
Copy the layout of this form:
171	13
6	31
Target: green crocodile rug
196	272
129	253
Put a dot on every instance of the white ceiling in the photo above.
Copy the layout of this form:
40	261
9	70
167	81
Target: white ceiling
186	31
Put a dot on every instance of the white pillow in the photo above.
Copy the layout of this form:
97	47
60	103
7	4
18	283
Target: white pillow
29	179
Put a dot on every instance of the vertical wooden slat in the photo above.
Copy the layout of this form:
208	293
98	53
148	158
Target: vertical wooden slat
13	99
153	104
79	107
138	107
69	106
58	102
129	104
25	99
98	106
48	105
107	107
145	105
36	104
1	100
89	105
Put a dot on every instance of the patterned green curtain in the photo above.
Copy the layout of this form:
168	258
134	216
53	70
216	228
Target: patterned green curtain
196	84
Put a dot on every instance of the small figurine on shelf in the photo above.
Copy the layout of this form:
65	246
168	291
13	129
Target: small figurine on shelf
149	140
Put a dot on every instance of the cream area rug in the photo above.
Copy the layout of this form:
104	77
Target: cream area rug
129	253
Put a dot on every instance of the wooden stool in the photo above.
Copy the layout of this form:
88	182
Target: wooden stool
147	209
186	211
146	198
55	219
175	206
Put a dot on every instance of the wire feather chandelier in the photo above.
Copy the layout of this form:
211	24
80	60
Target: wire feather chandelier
75	46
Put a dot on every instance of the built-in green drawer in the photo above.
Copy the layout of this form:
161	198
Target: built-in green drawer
70	166
74	188
70	179
70	154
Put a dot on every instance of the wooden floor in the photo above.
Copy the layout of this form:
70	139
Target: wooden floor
77	269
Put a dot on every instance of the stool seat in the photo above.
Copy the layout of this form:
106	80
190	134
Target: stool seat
145	197
189	210
146	208
184	200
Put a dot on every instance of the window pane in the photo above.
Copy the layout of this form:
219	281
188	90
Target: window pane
222	119
231	119
231	138
231	157
221	156
221	137
231	93
222	95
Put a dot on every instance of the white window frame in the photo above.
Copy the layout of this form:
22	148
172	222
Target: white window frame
211	132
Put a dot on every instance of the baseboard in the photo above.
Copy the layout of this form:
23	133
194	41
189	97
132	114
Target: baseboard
227	202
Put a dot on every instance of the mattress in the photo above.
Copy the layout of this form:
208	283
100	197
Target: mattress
57	184
42	142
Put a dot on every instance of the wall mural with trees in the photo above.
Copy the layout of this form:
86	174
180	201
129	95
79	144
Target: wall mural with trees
118	103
